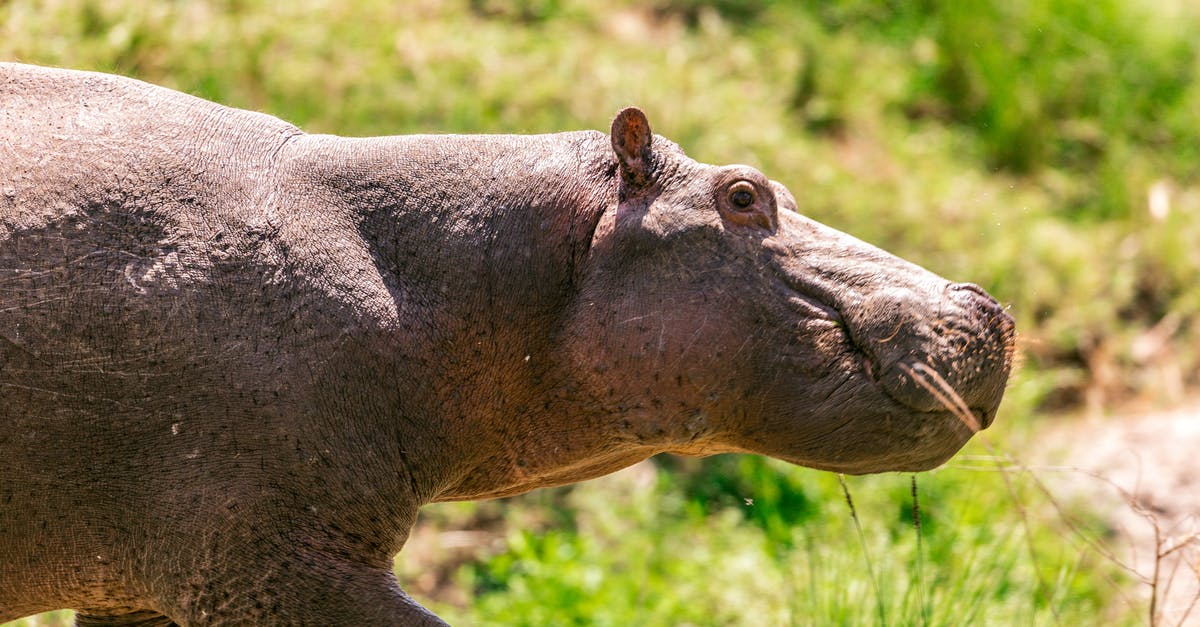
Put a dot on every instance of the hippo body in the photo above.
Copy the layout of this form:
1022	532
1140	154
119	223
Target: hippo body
235	358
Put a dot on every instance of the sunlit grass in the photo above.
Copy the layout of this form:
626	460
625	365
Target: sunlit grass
723	544
62	618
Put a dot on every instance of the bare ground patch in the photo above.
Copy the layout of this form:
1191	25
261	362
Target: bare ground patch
1143	472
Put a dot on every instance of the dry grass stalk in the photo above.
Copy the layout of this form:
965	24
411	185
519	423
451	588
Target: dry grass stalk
1158	581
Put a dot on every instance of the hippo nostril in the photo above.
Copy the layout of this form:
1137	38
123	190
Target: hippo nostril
978	301
969	287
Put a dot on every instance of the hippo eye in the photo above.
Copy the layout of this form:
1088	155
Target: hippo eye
741	194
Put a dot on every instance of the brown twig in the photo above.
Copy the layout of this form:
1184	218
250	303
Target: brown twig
936	385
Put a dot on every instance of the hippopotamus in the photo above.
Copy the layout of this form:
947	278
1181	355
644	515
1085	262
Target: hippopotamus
236	358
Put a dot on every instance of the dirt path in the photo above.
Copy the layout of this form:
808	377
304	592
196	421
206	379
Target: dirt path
1144	470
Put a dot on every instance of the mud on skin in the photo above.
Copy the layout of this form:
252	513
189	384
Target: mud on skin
235	358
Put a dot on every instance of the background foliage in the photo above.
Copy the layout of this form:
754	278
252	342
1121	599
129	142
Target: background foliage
1045	149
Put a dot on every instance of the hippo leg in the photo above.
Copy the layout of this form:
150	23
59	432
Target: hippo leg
328	591
137	618
340	597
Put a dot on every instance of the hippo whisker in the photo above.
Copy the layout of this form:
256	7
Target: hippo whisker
937	386
889	338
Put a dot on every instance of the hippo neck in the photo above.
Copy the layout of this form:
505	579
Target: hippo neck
471	246
452	220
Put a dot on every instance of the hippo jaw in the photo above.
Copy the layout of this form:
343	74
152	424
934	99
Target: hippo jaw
718	321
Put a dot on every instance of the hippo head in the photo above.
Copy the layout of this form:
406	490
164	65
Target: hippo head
714	317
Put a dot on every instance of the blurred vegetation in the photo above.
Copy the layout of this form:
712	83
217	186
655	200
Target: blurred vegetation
742	540
1045	149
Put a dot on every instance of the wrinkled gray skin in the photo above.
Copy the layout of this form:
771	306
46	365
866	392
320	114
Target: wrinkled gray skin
235	359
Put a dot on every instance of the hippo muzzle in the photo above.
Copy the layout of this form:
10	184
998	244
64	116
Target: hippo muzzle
923	362
926	357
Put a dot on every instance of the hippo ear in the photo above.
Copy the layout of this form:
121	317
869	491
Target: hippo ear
631	138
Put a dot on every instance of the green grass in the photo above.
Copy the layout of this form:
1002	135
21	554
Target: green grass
62	618
1013	144
747	541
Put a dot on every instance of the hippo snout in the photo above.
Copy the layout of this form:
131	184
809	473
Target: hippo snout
942	350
